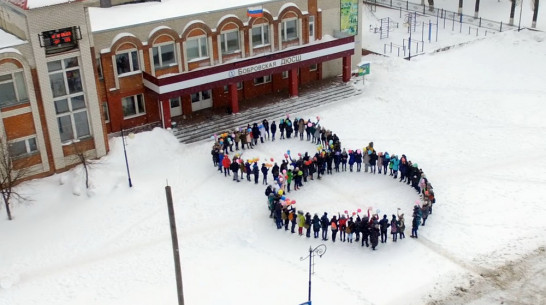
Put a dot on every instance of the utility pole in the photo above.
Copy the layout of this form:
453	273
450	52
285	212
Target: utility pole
176	252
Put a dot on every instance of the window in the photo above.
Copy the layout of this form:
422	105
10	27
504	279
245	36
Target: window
68	99
127	62
230	42
284	74
23	147
262	80
311	28
197	48
260	36
200	96
99	69
164	56
133	106
239	87
313	67
175	102
289	30
105	112
13	89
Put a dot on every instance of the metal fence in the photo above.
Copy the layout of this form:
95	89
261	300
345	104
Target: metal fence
442	14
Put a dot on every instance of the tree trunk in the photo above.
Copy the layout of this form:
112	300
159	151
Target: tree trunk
512	12
6	202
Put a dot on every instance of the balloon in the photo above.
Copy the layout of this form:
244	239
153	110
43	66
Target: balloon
378	211
272	160
320	146
354	213
299	154
286	156
331	142
293	201
287	115
212	137
281	179
417	202
359	210
318	118
309	124
346	212
283	197
284	171
358	151
280	192
288	151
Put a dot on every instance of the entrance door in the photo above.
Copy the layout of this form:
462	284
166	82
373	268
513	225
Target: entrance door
201	100
176	107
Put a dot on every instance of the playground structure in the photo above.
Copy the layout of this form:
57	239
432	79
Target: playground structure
423	24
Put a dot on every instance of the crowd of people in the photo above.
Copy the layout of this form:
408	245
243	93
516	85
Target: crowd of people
292	173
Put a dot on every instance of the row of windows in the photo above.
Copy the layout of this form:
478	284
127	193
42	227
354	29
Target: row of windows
198	48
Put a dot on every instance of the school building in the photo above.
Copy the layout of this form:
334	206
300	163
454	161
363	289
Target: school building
74	72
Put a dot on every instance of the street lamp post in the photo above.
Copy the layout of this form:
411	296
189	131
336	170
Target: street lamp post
318	250
520	10
126	161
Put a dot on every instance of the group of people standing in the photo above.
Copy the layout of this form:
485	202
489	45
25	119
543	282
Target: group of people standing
329	157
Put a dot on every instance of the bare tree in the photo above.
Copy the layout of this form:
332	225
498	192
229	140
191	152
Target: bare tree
82	158
12	172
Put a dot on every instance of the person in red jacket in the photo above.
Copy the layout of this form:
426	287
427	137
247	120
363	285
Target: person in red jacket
226	162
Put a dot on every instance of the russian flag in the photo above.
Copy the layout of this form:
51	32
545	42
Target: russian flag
255	11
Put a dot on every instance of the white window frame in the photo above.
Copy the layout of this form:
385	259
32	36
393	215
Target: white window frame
71	99
284	38
200	40
18	88
134	99
313	67
159	47
28	147
131	53
264	36
224	42
266	79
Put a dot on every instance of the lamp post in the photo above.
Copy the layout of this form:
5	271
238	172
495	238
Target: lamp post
318	250
126	162
520	10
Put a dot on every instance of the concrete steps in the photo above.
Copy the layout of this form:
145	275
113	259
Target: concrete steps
333	92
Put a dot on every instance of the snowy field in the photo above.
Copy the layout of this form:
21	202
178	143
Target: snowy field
471	117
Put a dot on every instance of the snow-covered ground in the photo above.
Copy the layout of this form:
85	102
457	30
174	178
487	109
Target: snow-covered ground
471	117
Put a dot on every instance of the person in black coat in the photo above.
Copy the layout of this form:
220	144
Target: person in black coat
335	227
255	133
384	225
234	166
373	162
264	172
289	128
282	126
273	130
324	223
374	235
308	224
256	172
365	229
275	171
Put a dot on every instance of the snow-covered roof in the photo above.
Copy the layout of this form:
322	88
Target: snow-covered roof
120	16
31	4
8	40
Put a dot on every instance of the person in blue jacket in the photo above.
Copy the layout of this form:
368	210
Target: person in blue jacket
395	166
256	172
386	160
416	221
264	172
324	223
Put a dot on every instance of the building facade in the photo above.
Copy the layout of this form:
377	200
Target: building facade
73	73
